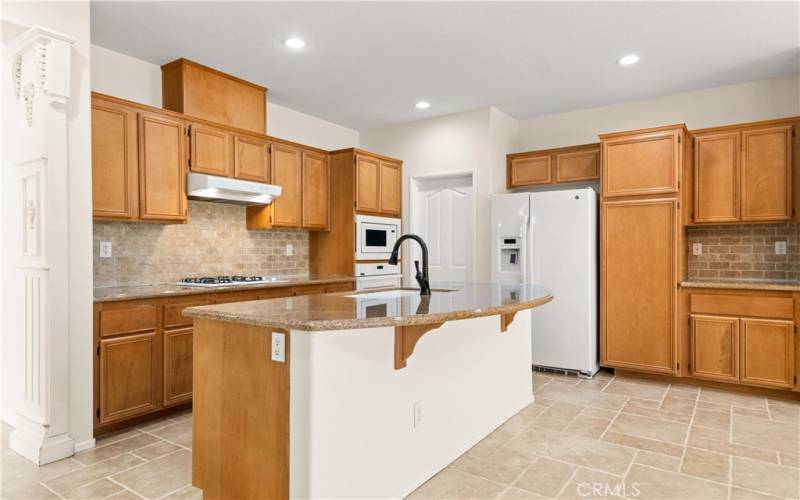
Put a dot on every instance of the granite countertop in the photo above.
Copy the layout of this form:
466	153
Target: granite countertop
743	284
342	311
130	292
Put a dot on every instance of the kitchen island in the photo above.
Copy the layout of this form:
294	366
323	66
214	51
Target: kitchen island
354	395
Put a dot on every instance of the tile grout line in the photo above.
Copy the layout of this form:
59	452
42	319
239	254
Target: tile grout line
688	432
124	488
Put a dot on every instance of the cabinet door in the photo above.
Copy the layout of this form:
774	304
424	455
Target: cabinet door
177	366
367	184
714	347
639	258
391	188
574	166
287	173
210	151
716	177
767	174
251	158
767	352
162	168
115	173
639	164
316	190
128	376
529	171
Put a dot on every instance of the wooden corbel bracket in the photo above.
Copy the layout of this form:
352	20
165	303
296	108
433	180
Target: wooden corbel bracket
505	320
406	338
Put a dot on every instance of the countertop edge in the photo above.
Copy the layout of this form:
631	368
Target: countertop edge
354	324
184	291
742	285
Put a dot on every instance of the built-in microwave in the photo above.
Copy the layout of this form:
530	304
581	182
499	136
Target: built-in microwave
375	236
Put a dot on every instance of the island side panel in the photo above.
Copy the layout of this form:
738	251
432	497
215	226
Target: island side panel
240	426
352	412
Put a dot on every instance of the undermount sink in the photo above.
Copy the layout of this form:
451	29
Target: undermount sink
392	294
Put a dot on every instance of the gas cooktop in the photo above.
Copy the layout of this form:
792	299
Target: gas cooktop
218	281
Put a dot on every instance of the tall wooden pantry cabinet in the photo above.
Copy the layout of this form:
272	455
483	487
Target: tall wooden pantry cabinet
641	242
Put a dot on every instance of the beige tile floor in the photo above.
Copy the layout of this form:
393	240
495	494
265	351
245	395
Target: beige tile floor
600	438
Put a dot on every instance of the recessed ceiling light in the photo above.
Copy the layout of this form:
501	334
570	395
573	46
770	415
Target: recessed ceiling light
628	60
294	43
423	105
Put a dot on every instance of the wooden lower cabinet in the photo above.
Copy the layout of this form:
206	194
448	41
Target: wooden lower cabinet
129	373
743	337
714	347
177	366
639	259
767	352
144	350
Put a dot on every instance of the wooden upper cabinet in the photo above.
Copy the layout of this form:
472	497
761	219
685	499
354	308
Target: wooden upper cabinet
716	177
571	166
210	150
561	165
639	259
162	168
129	376
391	188
287	173
251	159
714	347
767	174
316	191
767	352
209	94
530	171
643	162
367	183
177	366
115	173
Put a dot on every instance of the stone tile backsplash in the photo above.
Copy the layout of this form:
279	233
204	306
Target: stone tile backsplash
214	242
745	251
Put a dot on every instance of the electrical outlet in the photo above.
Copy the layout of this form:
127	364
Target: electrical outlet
289	249
105	249
278	347
780	248
417	414
697	249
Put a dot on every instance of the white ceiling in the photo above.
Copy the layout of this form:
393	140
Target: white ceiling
366	64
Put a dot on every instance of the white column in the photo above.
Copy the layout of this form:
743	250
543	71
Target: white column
41	71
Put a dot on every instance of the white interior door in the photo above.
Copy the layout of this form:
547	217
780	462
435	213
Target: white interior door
443	214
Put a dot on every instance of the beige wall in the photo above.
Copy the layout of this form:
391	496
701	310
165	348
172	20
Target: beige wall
123	76
744	102
214	242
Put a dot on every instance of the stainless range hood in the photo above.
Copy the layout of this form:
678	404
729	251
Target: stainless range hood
227	190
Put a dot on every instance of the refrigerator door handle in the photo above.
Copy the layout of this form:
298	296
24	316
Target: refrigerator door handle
523	251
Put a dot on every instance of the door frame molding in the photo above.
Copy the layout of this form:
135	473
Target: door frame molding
413	213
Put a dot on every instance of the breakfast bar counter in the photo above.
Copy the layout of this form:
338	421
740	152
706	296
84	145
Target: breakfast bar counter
354	395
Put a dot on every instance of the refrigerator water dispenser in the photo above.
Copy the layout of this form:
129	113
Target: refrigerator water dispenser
510	255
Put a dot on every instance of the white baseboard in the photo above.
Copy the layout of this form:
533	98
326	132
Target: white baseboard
84	445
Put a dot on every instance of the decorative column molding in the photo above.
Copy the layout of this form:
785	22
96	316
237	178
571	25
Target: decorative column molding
41	72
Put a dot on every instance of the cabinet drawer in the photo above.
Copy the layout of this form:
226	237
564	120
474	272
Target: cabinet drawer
224	298
742	305
310	289
339	287
173	312
129	319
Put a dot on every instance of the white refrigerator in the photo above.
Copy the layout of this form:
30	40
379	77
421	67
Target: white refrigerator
550	238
